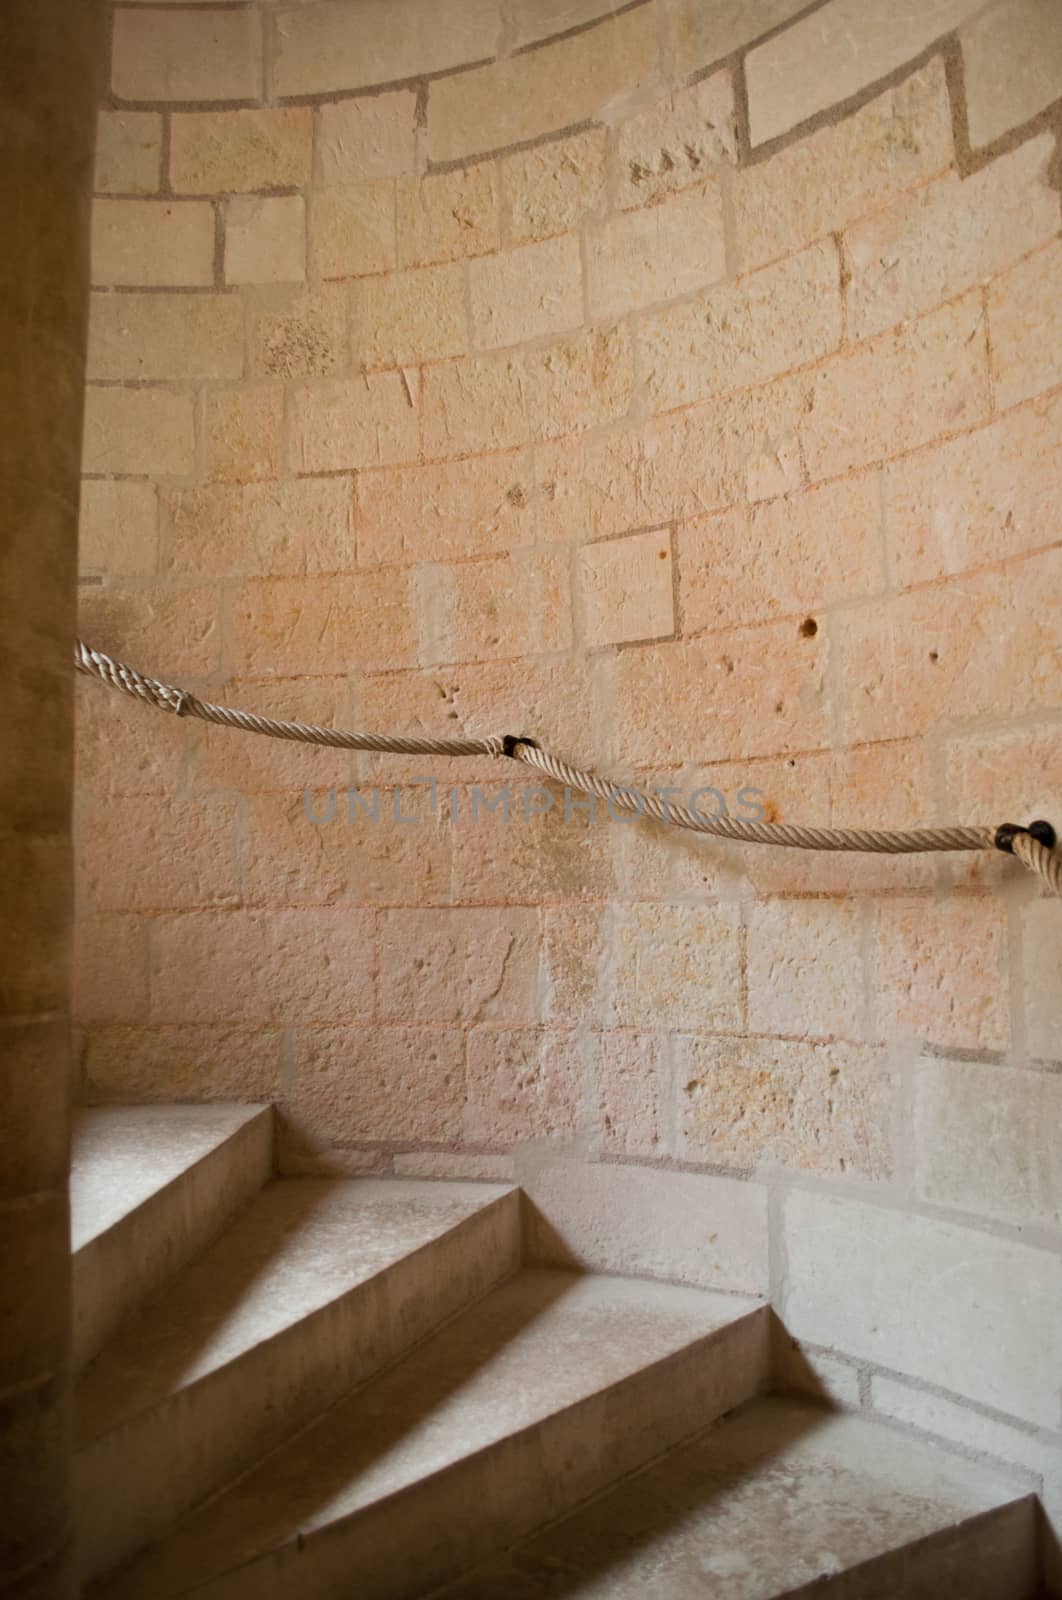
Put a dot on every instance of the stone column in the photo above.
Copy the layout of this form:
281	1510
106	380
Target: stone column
50	54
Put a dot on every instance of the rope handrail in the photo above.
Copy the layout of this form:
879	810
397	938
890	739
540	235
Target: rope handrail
1034	846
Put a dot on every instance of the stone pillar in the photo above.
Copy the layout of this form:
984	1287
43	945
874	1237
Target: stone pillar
50	52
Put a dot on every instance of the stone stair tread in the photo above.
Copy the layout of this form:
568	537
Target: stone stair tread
299	1245
122	1155
776	1498
534	1346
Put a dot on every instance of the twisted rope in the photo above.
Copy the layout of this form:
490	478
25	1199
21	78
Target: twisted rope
1039	858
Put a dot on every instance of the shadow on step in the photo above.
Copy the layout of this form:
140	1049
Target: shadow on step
215	1313
646	1536
780	1498
388	1433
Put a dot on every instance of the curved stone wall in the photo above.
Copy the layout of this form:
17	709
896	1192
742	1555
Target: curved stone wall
682	384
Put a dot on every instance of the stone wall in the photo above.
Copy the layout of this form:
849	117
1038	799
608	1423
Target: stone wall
50	53
683	386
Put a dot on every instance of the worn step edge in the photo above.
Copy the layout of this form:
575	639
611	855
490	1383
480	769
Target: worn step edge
178	1453
437	1527
119	1269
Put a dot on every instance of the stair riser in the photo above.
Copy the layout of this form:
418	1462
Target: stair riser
134	1482
990	1557
117	1272
430	1533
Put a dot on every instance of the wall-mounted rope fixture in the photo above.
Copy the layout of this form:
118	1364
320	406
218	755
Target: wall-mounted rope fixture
1033	845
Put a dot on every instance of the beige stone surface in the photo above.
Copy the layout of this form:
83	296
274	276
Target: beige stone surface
889	1287
543	91
470	965
948	236
474	406
297	333
580	382
243	433
157	243
380	1083
1012	65
785	1103
140	431
265	240
906	387
404	318
678	466
219	152
141	1064
294	966
533	20
118	529
781	704
784	316
1042	943
262	529
554	856
630	1107
677	966
835	52
985	1140
524	1083
187	55
447	215
827	179
128	152
985	496
366	138
354	860
191	847
968	648
922	992
526	293
506	606
805	969
484	505
552	188
700	34
165	337
179	623
341	423
572	961
689	1227
675	143
626	589
352	229
1003	773
1023	310
656	253
782	557
316	51
303	625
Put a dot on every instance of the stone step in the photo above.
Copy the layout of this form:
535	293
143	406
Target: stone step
553	1386
784	1499
150	1186
316	1285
